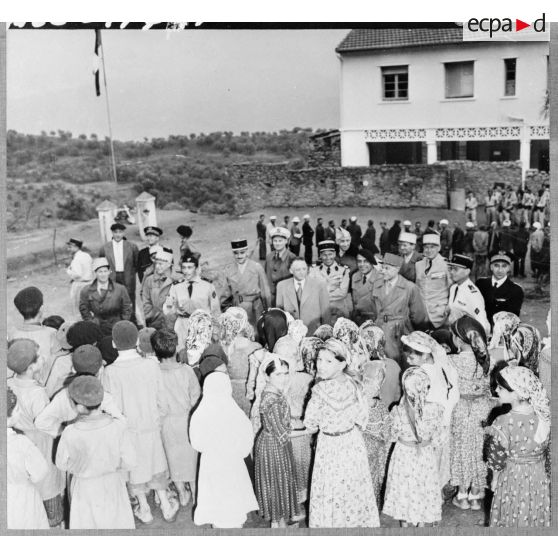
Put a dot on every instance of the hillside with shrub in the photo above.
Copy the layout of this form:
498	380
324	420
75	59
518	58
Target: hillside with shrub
55	176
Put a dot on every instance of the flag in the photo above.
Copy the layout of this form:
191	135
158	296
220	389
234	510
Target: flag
96	61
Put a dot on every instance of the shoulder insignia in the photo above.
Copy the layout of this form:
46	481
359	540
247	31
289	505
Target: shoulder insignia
178	281
213	294
477	311
472	288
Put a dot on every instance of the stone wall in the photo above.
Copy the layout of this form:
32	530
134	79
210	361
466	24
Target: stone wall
281	185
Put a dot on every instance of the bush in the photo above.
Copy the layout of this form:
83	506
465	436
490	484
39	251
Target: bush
173	206
75	208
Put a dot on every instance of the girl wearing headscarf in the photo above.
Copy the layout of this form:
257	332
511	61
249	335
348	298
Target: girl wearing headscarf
342	493
271	326
374	340
196	338
324	332
274	461
238	347
515	340
545	368
421	350
472	362
348	333
298	392
378	428
413	490
223	435
516	451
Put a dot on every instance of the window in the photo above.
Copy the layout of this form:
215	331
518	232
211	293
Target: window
459	79
510	64
395	81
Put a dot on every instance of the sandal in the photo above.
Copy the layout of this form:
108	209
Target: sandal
145	516
474	501
170	513
461	503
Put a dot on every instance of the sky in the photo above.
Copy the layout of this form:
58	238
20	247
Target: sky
162	83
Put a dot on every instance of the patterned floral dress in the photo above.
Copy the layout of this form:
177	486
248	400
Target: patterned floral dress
276	488
297	397
342	493
467	432
376	439
413	491
522	494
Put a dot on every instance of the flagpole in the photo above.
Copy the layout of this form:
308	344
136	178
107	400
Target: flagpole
108	113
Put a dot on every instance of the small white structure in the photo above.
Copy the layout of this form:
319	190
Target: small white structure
146	214
107	213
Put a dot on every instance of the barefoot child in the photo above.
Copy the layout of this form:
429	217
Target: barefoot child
181	391
413	491
96	450
516	452
26	467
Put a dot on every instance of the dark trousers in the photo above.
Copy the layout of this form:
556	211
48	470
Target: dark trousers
120	280
519	265
261	242
295	249
308	254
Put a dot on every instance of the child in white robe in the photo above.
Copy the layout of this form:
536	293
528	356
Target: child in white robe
96	450
25	467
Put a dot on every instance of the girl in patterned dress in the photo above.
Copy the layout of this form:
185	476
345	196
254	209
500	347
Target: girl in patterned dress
468	470
378	429
274	461
516	451
413	491
349	334
342	493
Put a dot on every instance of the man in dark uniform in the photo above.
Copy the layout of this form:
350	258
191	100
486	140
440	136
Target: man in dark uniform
356	233
368	240
384	238
307	234
152	237
261	231
500	293
320	231
329	231
520	243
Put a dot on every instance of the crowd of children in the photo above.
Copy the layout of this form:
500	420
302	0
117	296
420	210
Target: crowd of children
320	431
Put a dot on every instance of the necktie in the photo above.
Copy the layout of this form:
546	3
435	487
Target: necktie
455	293
364	280
428	266
190	288
328	270
298	292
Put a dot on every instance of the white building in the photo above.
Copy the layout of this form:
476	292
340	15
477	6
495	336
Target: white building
424	95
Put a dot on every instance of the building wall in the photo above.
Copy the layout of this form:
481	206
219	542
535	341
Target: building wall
362	107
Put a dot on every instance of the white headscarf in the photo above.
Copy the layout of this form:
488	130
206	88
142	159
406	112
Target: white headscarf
218	424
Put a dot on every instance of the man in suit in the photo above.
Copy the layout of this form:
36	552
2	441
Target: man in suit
362	282
245	283
123	261
320	231
305	298
500	293
356	233
368	240
307	234
407	244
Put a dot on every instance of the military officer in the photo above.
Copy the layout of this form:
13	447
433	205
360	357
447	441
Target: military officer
337	277
189	294
500	293
398	304
155	290
278	262
152	237
362	282
433	280
347	251
407	244
464	297
245	283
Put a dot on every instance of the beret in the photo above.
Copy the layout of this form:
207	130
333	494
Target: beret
184	230
86	390
21	354
368	255
87	359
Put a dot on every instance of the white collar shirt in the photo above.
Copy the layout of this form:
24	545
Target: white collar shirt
118	249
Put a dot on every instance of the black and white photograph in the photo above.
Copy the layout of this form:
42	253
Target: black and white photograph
277	278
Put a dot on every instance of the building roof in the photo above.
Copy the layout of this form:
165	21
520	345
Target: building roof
386	38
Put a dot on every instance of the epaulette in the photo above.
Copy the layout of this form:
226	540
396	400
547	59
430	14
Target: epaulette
473	289
178	281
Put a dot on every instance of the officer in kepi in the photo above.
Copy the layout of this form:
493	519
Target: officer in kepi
152	237
245	283
337	278
465	299
500	293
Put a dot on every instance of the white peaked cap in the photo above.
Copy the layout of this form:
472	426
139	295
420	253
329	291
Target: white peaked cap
408	237
431	239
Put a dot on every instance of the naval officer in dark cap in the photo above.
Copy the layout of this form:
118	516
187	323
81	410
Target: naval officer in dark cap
152	237
465	299
500	293
122	257
246	283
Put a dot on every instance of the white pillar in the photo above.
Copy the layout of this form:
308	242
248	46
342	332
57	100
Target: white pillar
431	149
146	212
106	212
524	155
